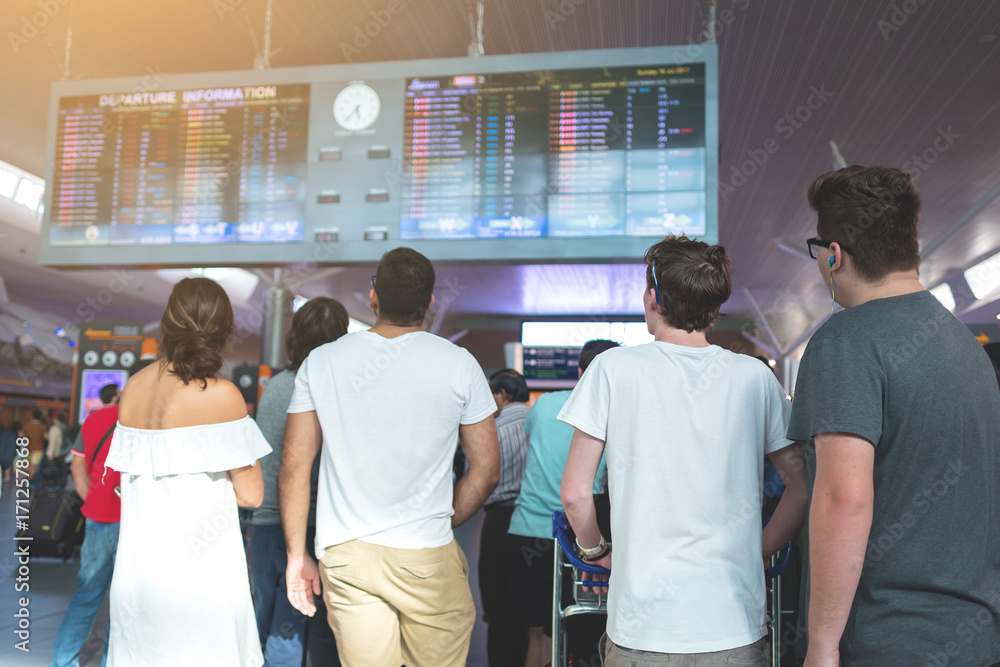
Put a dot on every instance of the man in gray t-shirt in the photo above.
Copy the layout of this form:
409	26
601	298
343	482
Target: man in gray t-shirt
902	407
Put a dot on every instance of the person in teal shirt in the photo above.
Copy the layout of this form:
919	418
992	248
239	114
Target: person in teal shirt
530	532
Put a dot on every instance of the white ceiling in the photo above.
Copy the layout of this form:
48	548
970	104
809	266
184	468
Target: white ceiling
893	89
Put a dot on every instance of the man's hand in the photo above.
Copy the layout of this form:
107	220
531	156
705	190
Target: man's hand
302	581
587	576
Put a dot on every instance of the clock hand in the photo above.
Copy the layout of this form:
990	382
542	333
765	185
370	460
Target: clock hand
356	112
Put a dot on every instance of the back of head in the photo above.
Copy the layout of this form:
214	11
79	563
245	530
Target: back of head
319	321
404	283
36	414
109	391
194	329
60	418
592	348
513	383
693	280
873	213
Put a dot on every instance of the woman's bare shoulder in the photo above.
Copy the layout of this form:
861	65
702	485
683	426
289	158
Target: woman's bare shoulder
225	399
161	401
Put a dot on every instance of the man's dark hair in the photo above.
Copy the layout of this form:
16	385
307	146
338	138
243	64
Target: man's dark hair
108	392
404	283
592	348
874	213
36	414
512	383
319	321
693	280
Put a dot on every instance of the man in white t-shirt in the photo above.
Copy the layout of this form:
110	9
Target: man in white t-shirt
388	406
686	426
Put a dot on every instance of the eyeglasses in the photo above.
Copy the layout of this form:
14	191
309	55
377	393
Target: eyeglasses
824	244
373	282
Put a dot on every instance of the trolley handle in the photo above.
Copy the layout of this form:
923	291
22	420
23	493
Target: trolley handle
559	525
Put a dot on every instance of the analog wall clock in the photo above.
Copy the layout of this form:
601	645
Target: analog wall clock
356	107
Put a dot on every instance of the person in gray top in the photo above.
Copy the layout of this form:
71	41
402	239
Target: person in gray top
902	408
506	639
283	632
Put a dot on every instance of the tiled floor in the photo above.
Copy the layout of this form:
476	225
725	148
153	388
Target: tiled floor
52	584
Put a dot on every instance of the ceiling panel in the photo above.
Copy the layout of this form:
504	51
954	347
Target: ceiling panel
882	92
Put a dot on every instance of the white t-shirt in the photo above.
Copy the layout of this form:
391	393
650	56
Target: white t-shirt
686	431
390	409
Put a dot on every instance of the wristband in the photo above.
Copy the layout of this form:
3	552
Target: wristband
595	558
592	551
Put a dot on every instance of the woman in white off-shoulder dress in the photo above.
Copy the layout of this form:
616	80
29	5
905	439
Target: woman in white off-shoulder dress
186	451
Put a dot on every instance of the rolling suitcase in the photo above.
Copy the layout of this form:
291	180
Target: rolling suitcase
55	524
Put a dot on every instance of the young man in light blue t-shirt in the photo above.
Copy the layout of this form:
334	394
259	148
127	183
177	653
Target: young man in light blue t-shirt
531	523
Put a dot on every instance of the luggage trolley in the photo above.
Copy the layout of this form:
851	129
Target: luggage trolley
596	601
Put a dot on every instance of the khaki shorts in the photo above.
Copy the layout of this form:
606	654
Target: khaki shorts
389	607
34	458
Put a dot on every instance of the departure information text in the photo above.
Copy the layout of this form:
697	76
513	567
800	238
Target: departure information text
558	153
219	165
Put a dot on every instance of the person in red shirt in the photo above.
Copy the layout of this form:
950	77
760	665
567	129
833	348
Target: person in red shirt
97	486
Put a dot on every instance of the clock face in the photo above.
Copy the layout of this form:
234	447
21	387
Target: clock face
356	107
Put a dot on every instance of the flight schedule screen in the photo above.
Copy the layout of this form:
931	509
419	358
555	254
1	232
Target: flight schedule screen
613	151
194	166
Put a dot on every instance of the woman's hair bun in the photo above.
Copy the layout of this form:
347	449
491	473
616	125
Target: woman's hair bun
194	329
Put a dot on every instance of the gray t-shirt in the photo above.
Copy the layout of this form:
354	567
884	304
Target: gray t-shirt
272	416
909	377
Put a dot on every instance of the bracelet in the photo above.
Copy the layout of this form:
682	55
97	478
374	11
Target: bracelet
587	553
592	559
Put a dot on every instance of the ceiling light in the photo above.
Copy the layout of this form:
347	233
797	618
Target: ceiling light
984	278
8	182
944	294
29	193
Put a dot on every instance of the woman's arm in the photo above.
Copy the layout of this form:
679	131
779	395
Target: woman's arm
248	482
226	401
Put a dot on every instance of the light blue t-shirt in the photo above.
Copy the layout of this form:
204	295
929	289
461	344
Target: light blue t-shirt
548	449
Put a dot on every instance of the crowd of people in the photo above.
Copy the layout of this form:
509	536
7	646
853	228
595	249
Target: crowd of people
48	444
890	447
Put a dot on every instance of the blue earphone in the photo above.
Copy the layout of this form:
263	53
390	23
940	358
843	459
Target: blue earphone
833	294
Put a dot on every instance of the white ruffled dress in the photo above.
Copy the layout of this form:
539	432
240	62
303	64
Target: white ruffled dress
180	595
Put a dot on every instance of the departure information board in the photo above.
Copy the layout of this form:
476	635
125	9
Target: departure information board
571	156
588	152
224	165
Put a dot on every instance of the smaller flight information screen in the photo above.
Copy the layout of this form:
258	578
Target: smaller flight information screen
195	166
611	151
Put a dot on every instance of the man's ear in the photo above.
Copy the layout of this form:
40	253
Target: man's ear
373	301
